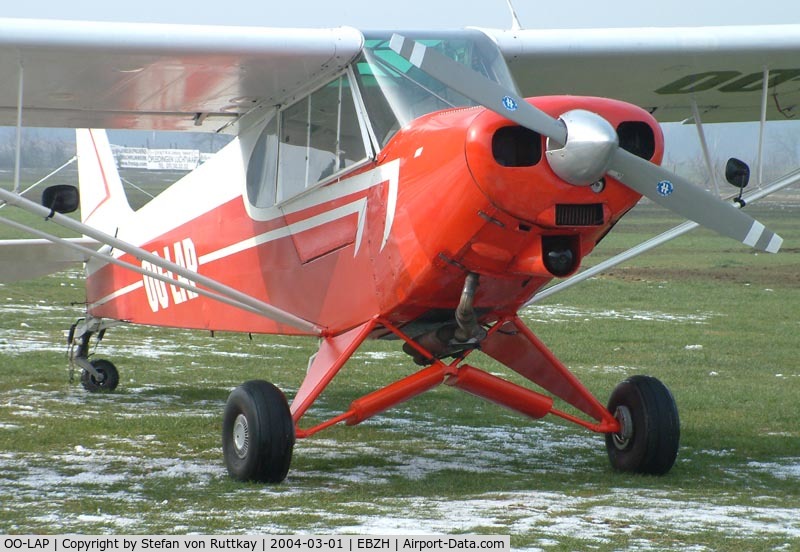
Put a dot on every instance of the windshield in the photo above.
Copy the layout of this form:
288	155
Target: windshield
395	92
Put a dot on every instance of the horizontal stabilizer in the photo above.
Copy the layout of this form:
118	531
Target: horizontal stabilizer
26	259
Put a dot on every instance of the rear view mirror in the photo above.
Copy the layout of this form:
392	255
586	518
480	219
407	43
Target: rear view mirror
61	198
737	173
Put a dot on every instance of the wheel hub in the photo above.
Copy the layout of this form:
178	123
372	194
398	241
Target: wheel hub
241	436
100	378
623	437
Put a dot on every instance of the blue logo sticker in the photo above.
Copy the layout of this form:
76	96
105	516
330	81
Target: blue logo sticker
509	103
665	188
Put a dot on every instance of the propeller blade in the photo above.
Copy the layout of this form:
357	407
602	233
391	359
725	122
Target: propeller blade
650	180
681	196
478	88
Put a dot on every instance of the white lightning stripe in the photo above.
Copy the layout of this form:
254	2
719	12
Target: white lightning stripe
272	235
774	244
325	194
119	293
754	234
362	219
388	172
391	206
243	245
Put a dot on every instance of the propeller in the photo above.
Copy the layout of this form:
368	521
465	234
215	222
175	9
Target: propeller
582	147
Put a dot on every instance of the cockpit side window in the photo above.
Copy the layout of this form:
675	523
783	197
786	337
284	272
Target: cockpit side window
293	157
305	144
262	171
319	137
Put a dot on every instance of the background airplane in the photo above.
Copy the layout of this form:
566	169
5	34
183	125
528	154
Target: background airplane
433	301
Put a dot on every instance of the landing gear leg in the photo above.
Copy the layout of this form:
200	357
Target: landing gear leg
96	375
641	424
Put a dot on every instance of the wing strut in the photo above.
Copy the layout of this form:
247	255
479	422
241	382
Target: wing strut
18	152
762	124
238	298
704	146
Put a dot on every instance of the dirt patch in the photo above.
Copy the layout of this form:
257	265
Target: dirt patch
781	276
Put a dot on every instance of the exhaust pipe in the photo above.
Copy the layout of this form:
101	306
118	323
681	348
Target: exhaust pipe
452	339
465	315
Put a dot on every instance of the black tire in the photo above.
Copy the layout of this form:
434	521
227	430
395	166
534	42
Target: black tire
257	433
648	441
109	381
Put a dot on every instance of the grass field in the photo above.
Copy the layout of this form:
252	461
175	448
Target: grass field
716	322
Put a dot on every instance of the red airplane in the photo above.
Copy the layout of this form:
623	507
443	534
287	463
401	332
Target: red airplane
405	191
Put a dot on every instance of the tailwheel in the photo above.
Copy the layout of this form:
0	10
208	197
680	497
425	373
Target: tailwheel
257	433
649	427
105	379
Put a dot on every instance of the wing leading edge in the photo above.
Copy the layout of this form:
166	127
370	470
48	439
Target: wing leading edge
155	76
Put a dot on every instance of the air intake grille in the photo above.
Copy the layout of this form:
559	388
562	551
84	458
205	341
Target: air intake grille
579	215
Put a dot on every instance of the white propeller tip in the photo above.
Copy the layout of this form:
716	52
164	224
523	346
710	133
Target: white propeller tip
774	244
758	235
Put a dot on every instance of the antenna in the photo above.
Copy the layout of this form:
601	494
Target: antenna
515	26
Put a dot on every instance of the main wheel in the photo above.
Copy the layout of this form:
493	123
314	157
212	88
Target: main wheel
109	380
257	433
649	427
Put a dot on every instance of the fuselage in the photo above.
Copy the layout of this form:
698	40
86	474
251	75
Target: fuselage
393	235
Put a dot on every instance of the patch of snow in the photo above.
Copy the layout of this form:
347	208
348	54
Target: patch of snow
789	470
378	355
722	453
563	313
589	518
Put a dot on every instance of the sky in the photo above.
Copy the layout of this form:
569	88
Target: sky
410	14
